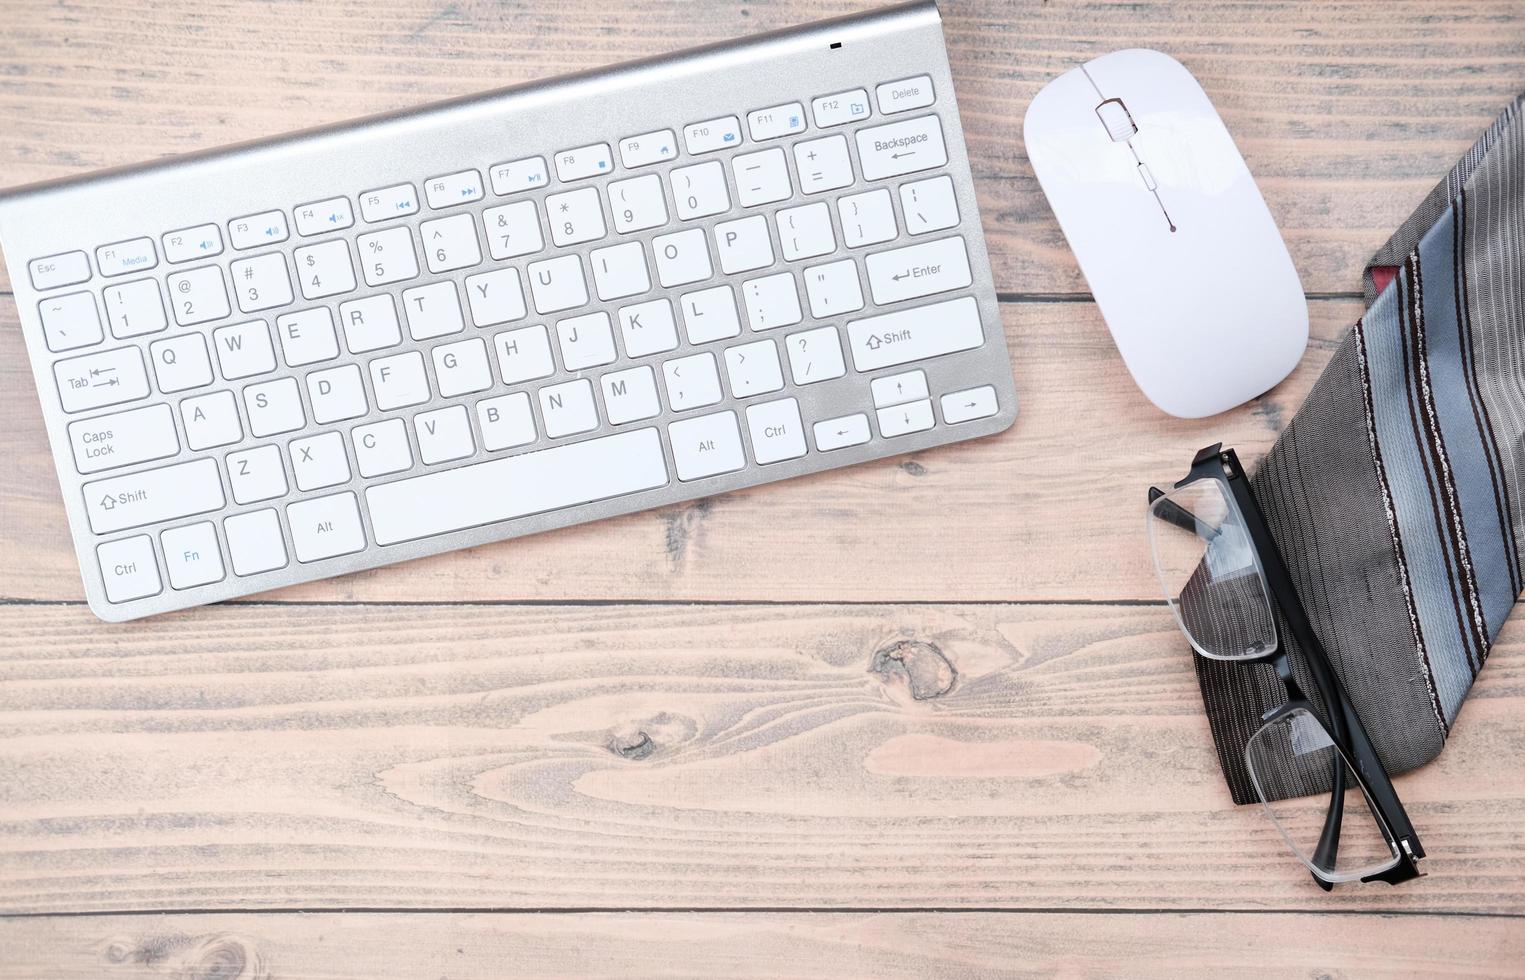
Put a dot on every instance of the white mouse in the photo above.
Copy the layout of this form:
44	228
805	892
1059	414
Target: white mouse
1171	232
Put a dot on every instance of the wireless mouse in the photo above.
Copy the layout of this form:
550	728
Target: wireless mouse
1171	232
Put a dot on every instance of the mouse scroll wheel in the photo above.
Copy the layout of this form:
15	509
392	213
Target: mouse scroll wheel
1115	116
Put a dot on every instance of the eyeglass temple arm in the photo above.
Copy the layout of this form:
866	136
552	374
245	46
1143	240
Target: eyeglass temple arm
1173	513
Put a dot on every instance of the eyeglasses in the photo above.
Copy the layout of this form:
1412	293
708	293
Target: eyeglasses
1322	785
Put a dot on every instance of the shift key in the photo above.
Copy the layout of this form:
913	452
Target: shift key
153	495
915	335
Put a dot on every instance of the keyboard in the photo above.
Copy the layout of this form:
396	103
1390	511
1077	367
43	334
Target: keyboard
551	304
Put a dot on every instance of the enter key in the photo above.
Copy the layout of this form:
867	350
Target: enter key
918	270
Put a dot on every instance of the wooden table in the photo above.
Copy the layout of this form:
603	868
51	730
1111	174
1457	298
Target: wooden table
920	717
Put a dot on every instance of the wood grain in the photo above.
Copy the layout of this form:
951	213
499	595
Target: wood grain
1050	509
1347	113
672	757
886	945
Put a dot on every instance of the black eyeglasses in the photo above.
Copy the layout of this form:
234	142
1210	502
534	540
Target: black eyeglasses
1323	786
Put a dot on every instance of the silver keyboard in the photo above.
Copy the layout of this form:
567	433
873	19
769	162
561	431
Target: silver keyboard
556	303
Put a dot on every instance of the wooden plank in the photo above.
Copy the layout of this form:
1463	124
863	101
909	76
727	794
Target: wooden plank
1050	509
803	945
1346	113
672	757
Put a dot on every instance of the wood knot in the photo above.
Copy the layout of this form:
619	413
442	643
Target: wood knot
914	468
921	667
637	745
218	956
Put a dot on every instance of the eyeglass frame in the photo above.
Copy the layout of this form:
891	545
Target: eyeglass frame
1345	727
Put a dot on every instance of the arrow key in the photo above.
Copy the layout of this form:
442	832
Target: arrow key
839	433
968	405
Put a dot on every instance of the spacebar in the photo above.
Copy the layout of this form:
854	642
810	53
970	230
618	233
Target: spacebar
517	486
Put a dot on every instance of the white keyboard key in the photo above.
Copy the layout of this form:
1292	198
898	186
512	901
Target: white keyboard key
805	232
325	527
53	271
70	321
307	336
336	394
833	289
637	204
507	421
682	258
558	284
370	324
585	161
399	381
198	296
516	486
905	95
255	543
261	283
385	203
461	368
387	256
630	395
779	120
815	355
319	461
188	244
513	230
744	245
918	270
324	270
464	187
710	314
495	297
905	419
128	568
776	431
823	164
706	446
450	243
433	310
914	335
619	271
901	148
524	354
712	134
700	191
969	404
844	107
381	448
568	408
97	380
108	441
444	435
134	309
867	219
181	363
191	555
772	301
648	148
120	258
212	420
897	389
929	205
753	369
519	175
322	217
691	382
244	349
256	474
256	230
648	328
761	178
153	496
839	433
586	341
274	407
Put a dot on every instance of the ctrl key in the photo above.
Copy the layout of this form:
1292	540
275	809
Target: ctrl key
128	568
